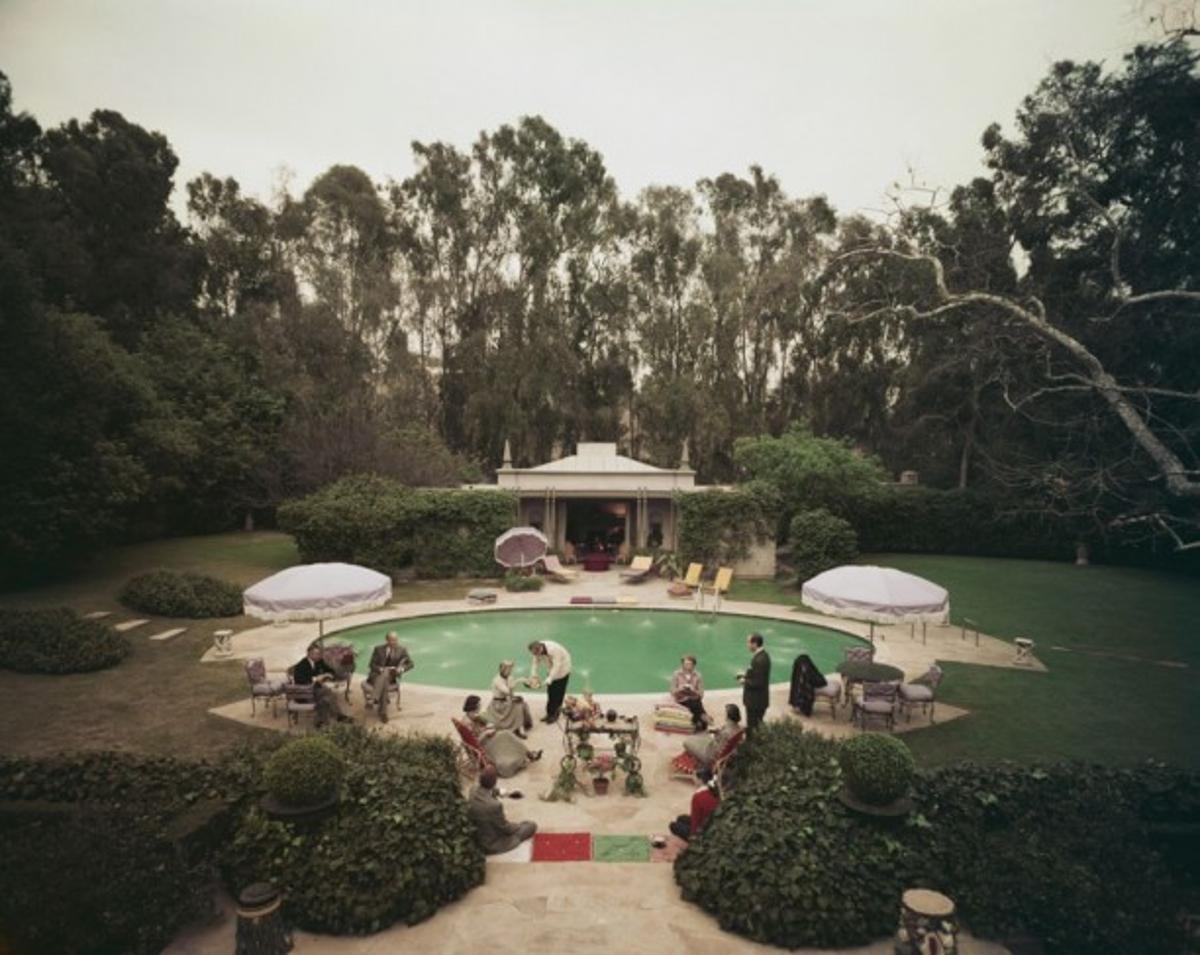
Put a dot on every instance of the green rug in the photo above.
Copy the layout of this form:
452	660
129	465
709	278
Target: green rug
620	849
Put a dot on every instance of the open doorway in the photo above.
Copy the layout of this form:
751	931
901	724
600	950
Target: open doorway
597	527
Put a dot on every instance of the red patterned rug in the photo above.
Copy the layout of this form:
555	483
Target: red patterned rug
562	847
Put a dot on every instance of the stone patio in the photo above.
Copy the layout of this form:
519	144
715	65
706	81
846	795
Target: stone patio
530	906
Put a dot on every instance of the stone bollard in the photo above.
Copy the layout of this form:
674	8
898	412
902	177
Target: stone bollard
928	925
260	928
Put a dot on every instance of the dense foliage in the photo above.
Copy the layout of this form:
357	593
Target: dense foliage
57	640
720	526
819	541
157	376
173	593
380	523
1018	849
304	772
398	847
109	874
877	768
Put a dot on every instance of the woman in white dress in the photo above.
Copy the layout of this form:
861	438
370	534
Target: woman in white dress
507	711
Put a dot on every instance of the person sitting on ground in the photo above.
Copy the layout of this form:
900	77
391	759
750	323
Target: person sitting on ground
389	661
315	672
502	746
687	689
507	711
558	665
494	832
704	802
707	750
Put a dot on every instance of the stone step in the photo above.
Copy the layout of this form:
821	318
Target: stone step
129	625
168	634
97	615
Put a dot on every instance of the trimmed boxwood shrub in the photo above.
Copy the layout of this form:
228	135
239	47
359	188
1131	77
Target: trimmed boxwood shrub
57	640
398	846
819	541
1062	853
878	769
380	523
304	772
172	593
518	583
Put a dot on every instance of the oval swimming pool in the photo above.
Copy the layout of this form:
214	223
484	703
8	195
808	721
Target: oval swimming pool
613	650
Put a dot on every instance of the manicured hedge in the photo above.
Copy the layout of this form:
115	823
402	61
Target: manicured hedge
398	847
380	523
719	526
519	583
304	772
1064	853
877	769
57	640
171	593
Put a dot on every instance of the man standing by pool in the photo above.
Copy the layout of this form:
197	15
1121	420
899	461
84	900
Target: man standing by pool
756	683
558	663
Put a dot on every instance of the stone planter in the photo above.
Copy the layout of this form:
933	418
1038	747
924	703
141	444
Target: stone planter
899	807
283	812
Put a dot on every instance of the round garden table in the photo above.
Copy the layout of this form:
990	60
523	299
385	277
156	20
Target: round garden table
854	671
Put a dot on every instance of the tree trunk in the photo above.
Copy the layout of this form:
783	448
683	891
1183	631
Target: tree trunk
248	521
1082	554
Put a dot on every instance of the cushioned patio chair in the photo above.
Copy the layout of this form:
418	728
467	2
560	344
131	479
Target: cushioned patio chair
552	567
878	702
473	757
830	693
691	579
299	700
262	688
392	689
728	751
340	656
858	654
921	692
639	569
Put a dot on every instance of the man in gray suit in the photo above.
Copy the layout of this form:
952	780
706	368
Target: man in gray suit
388	661
495	833
756	683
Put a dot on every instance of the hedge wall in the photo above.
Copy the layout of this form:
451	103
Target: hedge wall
1065	853
719	526
58	640
380	523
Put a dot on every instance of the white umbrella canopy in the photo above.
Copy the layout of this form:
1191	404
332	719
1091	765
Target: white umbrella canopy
877	595
520	547
317	592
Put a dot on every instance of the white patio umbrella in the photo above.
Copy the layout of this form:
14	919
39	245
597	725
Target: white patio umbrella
877	595
520	547
317	592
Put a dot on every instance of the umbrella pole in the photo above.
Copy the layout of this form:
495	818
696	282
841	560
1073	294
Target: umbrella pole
321	632
872	631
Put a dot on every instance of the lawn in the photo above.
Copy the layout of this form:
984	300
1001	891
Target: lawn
157	700
1120	708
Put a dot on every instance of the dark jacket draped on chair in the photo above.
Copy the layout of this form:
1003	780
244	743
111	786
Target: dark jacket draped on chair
805	679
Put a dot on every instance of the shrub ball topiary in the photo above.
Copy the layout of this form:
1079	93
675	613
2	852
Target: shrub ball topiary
878	769
57	640
820	541
305	772
172	593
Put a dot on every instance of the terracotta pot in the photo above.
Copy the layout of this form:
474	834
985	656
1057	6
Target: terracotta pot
600	784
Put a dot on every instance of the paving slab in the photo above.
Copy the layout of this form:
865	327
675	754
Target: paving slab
97	615
168	634
129	625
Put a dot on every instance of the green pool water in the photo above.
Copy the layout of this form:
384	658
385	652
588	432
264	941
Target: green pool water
613	650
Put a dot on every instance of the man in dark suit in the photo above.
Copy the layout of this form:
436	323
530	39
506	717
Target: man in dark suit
315	672
756	683
493	831
388	661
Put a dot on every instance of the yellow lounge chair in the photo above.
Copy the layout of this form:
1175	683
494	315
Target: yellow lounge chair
639	569
717	588
691	579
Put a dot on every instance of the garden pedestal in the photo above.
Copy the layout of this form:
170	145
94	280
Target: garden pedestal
928	925
260	928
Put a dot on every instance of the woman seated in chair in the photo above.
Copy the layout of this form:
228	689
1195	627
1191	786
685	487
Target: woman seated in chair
507	711
687	689
507	753
706	750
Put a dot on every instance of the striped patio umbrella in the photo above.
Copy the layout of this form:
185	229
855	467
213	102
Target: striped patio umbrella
521	547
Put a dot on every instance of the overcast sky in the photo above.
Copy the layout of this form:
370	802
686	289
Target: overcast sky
832	96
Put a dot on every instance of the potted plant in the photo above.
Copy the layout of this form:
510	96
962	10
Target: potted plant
600	784
303	778
877	773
